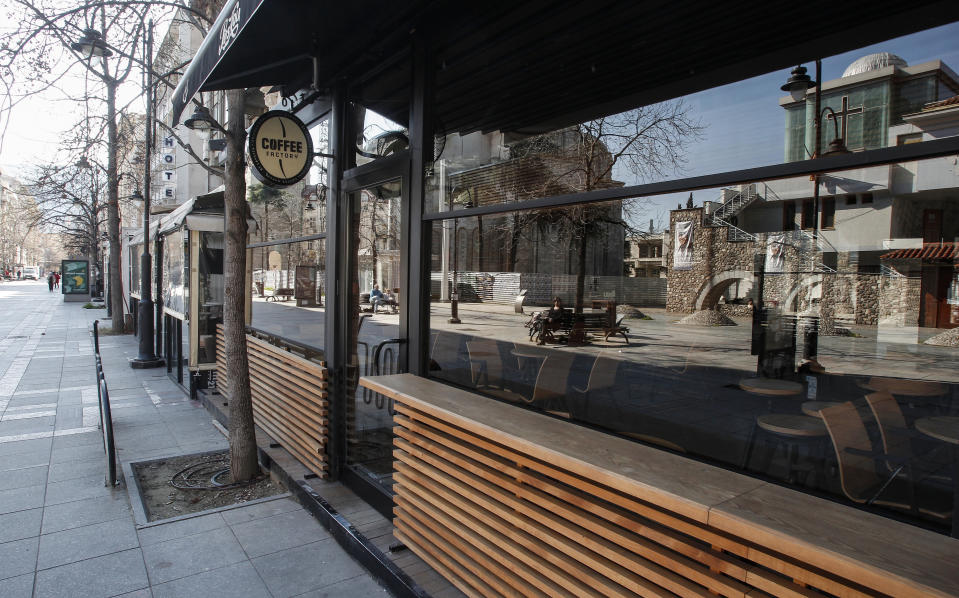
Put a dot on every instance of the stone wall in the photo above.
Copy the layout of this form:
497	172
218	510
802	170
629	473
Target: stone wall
899	300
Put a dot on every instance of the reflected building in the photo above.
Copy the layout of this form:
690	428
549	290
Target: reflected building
879	248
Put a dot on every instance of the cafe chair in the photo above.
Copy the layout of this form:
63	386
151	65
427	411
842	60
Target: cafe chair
486	368
552	383
859	464
899	441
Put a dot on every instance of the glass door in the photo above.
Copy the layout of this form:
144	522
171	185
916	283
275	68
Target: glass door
376	297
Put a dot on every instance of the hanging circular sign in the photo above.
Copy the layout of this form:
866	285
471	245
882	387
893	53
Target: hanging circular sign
281	149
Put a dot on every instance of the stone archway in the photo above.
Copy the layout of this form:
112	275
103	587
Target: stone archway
809	283
713	288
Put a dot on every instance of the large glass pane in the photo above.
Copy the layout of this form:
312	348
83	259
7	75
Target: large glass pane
375	298
813	344
210	294
289	293
747	124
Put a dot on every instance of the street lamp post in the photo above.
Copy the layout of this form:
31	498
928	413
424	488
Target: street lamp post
146	358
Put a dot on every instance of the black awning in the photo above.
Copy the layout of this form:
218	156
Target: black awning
222	36
540	64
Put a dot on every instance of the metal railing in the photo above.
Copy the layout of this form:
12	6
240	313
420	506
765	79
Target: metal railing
106	418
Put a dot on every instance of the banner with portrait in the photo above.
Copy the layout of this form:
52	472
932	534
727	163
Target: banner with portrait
683	246
775	252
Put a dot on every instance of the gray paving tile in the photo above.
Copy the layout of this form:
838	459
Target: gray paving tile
278	532
78	513
84	452
363	585
180	529
239	579
81	543
18	587
78	489
25	446
20	524
144	593
298	570
20	499
100	577
20	478
24	460
260	510
86	439
27	426
70	470
18	557
178	558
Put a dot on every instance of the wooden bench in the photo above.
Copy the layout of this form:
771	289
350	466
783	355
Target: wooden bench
284	292
573	328
502	500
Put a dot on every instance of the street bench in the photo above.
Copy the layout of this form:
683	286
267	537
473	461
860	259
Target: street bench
573	328
284	292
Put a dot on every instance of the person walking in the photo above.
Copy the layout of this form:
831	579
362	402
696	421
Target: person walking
50	281
56	280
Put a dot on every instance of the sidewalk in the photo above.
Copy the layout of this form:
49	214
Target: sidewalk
63	533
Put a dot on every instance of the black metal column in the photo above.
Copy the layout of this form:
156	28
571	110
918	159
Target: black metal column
146	358
416	234
338	278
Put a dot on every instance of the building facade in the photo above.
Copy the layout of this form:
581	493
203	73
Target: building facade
629	455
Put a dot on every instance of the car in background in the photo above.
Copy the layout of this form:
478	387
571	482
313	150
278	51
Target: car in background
30	273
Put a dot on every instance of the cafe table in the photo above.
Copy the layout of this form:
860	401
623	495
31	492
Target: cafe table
946	429
771	387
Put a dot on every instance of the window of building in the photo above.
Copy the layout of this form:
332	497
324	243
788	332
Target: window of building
850	200
865	198
808	214
909	138
789	216
828	219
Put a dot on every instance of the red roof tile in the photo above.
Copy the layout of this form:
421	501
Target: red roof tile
929	251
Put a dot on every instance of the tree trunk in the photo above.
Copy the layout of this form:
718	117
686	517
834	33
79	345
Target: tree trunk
243	462
581	269
113	210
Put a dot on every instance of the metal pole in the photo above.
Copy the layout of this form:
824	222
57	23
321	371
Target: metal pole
146	357
815	224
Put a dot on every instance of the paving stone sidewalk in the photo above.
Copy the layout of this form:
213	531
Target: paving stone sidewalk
64	534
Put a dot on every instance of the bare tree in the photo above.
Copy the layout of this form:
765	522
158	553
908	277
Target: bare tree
48	41
20	218
644	143
71	200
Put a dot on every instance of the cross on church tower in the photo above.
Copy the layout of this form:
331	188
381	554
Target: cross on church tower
844	113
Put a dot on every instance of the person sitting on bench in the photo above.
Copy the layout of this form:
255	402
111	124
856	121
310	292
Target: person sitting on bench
376	297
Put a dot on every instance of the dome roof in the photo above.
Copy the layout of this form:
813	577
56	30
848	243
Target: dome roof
873	62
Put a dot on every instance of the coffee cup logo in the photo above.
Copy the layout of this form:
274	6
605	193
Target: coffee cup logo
280	147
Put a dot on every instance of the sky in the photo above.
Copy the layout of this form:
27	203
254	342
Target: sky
744	124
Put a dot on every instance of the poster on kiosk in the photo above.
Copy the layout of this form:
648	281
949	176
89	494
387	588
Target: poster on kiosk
75	280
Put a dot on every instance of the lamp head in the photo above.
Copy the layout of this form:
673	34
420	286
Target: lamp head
798	83
91	44
200	121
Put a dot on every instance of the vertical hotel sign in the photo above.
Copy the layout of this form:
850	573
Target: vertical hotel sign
683	246
281	150
168	169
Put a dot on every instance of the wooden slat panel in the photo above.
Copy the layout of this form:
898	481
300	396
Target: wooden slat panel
573	508
478	491
289	399
587	495
576	544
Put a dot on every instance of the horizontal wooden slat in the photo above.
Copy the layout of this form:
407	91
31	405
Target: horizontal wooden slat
534	488
574	508
289	399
